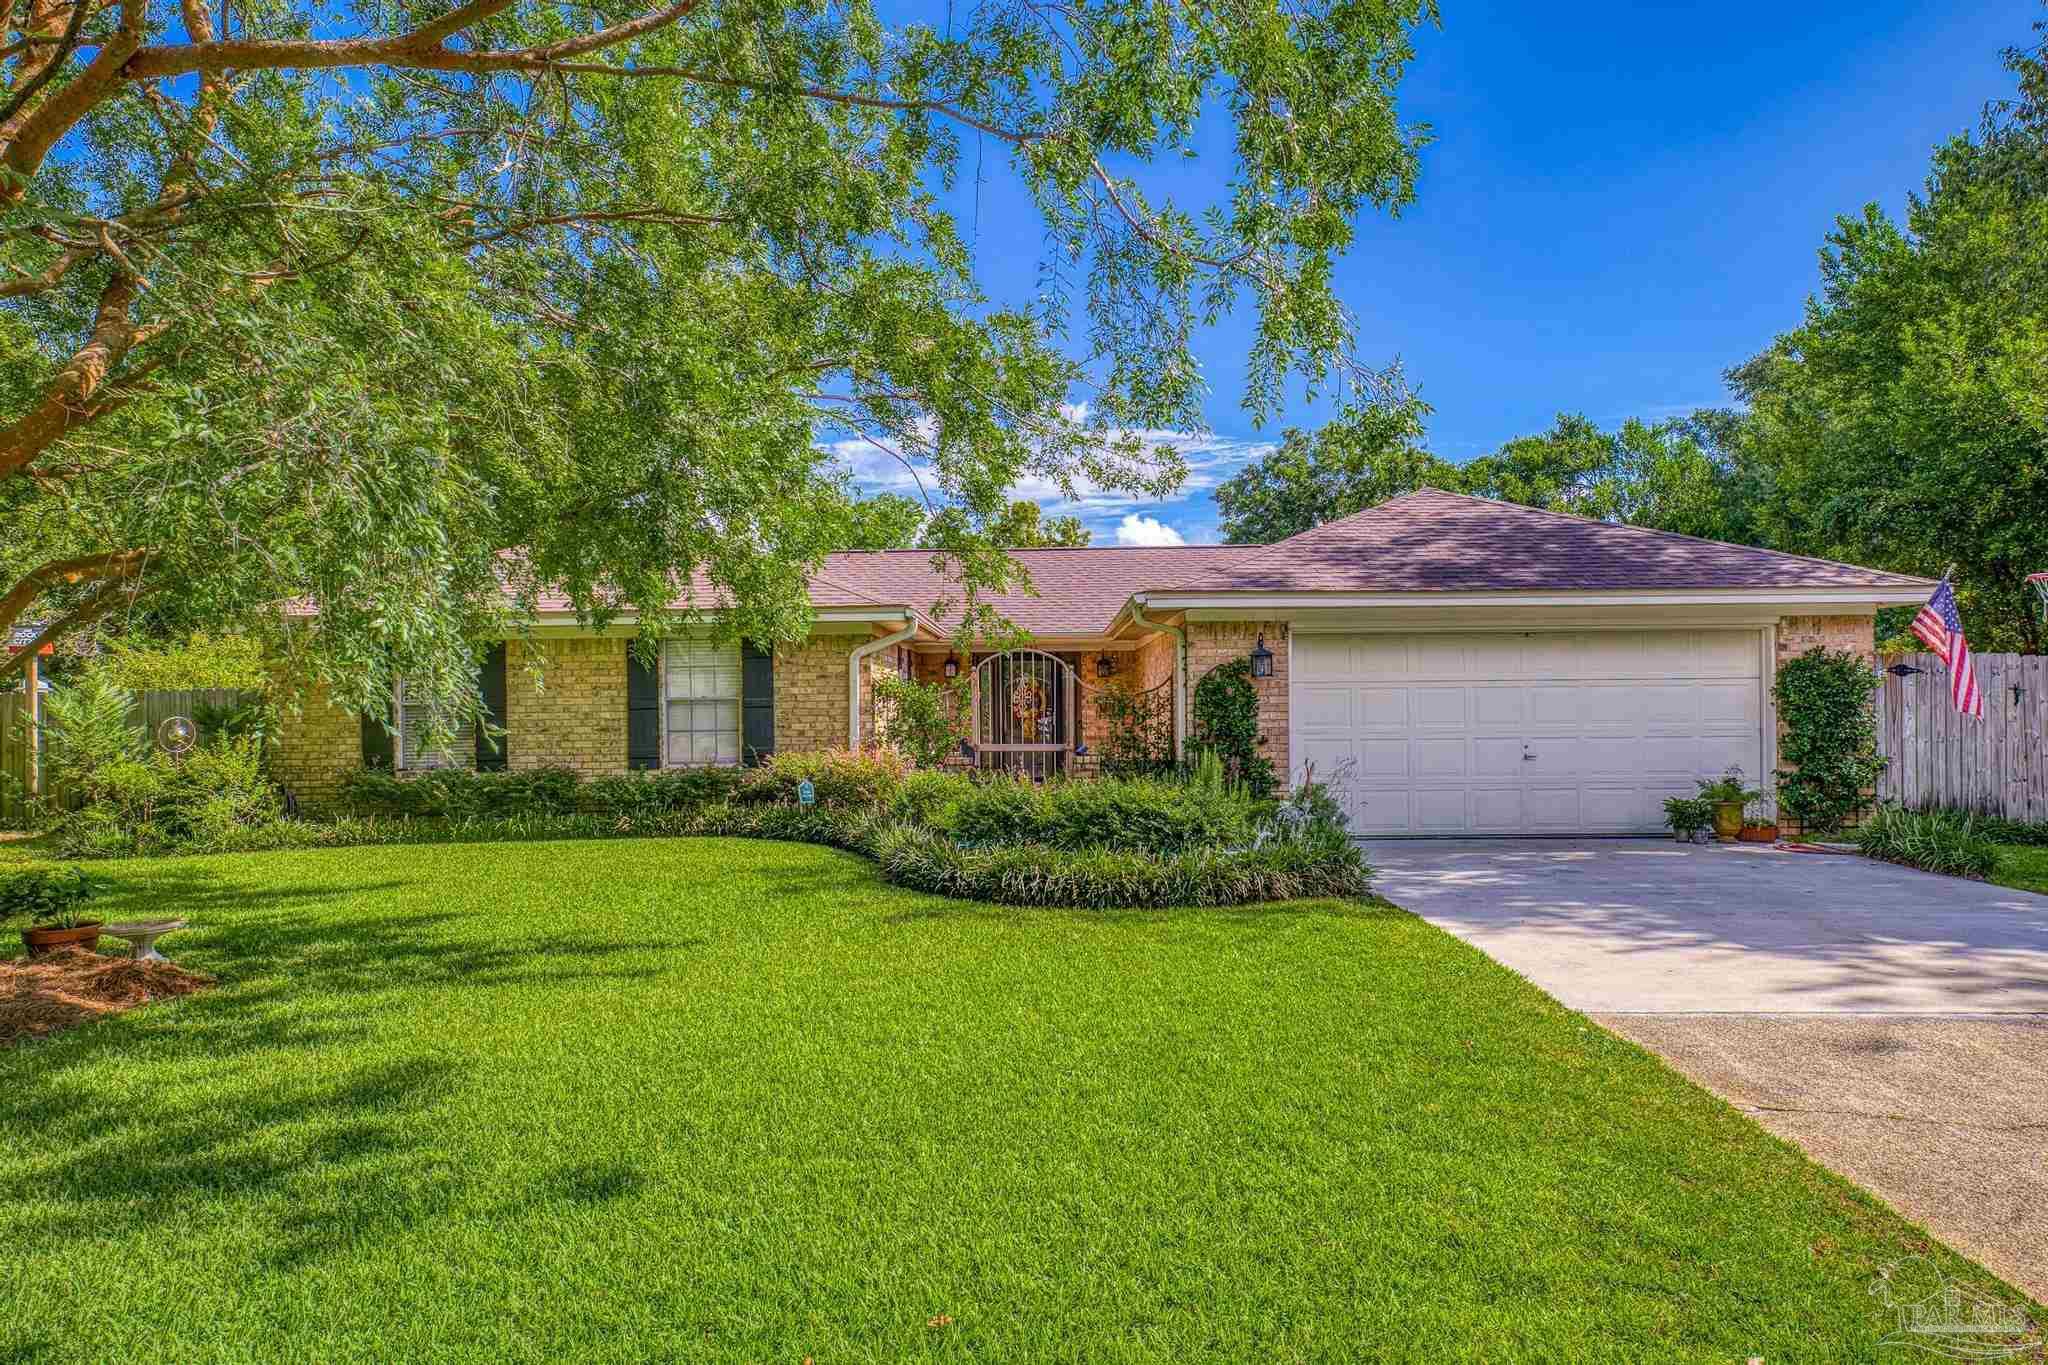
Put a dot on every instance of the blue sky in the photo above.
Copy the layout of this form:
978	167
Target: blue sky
1621	202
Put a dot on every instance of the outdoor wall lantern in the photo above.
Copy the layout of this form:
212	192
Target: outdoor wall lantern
952	669
1262	659
1105	665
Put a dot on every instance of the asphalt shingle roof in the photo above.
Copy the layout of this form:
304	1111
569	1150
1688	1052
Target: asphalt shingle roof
1431	541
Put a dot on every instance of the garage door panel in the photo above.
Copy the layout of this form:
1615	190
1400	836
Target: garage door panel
1382	757
1497	706
1432	759
1439	811
1384	708
1527	732
1497	756
1440	707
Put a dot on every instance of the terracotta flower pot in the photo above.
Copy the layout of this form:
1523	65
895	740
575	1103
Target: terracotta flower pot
1759	834
40	941
1727	820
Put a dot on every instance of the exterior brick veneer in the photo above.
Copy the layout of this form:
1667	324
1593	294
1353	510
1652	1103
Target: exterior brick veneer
1796	635
318	744
810	692
565	705
1218	642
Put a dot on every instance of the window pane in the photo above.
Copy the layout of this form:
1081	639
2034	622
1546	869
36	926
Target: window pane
702	684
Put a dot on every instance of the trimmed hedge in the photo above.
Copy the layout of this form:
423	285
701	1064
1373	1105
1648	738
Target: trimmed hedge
459	793
1136	814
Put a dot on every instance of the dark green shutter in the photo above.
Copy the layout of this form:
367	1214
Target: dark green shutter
757	704
643	713
493	754
377	743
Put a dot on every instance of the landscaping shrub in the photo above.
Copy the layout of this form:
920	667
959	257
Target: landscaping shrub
50	896
1829	737
2000	830
1103	878
926	720
837	777
157	803
1938	841
1141	814
1226	716
459	793
647	793
1138	738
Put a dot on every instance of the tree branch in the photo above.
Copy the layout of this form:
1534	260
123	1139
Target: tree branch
65	402
60	573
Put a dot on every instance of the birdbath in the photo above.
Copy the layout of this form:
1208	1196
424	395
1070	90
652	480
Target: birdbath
142	937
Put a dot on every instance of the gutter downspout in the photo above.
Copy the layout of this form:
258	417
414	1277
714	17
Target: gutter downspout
1180	670
853	663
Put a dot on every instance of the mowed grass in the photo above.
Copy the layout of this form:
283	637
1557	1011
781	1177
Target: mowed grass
716	1100
2023	867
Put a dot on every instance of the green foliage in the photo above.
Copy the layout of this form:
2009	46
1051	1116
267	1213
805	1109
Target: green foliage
245	719
1130	814
1312	815
838	778
159	803
459	793
1226	716
1829	740
88	729
1674	475
1728	787
1936	841
50	897
1102	878
616	330
200	661
926	720
1024	526
1688	815
1138	738
672	789
1903	423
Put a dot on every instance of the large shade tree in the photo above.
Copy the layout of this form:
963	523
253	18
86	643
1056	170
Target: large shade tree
380	305
1905	423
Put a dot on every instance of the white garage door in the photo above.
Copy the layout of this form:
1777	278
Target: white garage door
1537	733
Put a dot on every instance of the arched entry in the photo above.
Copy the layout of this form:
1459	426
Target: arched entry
1024	712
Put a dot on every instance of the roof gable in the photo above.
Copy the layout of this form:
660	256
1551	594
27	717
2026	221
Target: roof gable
1433	541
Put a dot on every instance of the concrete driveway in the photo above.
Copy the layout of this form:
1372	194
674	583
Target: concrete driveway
1892	1023
1653	926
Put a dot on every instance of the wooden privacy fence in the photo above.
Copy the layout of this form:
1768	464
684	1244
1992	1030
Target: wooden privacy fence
1997	765
149	710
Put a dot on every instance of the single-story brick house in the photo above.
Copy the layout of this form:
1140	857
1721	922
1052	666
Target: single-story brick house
1486	667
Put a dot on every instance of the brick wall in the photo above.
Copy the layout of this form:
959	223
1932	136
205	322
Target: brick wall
1798	634
1217	642
810	693
565	704
318	744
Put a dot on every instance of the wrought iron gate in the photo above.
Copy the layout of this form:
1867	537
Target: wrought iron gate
1025	715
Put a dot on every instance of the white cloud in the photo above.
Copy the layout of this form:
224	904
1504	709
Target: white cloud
1138	529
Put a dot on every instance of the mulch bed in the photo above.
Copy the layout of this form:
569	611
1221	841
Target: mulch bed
43	995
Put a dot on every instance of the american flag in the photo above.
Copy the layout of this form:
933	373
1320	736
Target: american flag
1940	627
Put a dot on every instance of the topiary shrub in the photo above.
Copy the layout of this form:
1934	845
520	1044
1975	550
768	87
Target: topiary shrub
1226	716
1829	744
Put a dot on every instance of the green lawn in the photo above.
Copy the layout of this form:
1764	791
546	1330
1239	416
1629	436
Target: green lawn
2023	867
742	1101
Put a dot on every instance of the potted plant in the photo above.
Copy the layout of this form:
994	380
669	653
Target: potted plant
1687	816
55	904
1727	796
1759	823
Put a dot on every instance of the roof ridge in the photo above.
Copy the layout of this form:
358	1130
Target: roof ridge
1646	530
1048	549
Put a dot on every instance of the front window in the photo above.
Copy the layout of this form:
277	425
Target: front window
454	748
701	692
